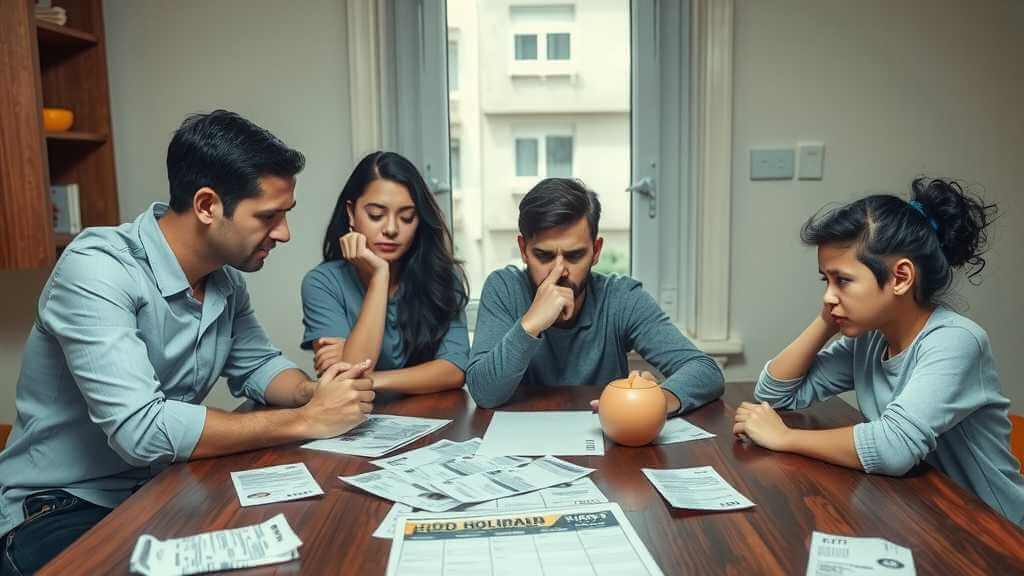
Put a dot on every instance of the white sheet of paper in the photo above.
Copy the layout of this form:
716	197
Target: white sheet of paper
577	493
700	488
833	555
679	430
380	434
270	542
554	433
595	539
274	484
439	451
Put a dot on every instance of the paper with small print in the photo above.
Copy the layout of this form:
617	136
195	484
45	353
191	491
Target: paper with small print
380	434
440	451
274	484
541	473
833	555
700	488
679	430
592	540
579	492
270	542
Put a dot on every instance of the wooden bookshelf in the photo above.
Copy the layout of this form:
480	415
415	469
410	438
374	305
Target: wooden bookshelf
63	67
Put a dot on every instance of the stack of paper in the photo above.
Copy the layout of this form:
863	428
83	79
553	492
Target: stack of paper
698	488
439	495
380	434
271	542
579	492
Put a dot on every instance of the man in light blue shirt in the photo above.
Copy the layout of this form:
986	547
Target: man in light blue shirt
136	324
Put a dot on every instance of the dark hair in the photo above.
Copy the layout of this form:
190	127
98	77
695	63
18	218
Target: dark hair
432	291
940	229
225	152
555	202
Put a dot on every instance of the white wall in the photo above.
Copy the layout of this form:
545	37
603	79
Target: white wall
894	89
283	66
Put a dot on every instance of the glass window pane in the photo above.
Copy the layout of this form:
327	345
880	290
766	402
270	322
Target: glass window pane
455	154
558	46
526	156
559	156
526	46
533	124
453	66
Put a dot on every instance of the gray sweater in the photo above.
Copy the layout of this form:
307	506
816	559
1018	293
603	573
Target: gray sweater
938	401
617	316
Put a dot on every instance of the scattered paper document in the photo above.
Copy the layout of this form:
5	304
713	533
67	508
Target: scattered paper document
596	539
580	492
440	451
698	488
274	484
541	473
380	434
679	430
848	556
554	433
436	494
396	486
270	542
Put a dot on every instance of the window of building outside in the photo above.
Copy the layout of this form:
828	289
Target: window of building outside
453	67
526	46
558	46
510	131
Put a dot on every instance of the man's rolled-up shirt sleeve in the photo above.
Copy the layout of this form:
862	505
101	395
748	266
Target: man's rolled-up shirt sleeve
90	307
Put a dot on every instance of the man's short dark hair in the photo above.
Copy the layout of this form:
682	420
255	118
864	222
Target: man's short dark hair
225	152
556	202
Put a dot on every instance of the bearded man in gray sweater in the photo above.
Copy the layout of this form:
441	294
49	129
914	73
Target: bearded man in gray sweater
560	323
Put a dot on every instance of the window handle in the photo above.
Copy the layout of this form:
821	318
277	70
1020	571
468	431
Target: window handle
645	187
437	186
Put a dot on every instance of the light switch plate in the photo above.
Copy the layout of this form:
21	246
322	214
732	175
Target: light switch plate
812	160
771	164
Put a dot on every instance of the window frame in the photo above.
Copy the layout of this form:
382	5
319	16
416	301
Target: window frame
696	66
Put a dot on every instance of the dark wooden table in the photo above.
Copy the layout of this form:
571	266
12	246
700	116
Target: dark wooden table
949	530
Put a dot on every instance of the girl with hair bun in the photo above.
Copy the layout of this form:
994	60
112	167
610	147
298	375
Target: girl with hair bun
924	375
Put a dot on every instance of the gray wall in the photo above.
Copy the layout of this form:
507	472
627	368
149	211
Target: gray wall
894	89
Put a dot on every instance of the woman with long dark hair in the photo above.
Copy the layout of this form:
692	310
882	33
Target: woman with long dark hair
924	375
389	288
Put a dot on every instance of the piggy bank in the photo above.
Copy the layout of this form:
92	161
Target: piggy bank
632	410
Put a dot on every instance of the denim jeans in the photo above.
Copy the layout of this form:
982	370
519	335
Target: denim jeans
53	520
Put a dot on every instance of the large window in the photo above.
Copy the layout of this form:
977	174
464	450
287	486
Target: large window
521	119
593	90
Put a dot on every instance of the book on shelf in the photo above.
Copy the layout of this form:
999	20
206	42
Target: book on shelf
67	214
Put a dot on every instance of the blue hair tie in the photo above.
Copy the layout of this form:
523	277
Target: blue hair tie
920	208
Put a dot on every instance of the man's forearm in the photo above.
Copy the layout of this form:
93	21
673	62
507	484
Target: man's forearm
290	389
492	377
231	432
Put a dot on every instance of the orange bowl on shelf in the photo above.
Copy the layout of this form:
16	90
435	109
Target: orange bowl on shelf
57	119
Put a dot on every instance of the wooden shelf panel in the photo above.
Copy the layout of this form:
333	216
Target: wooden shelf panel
63	36
62	240
77	136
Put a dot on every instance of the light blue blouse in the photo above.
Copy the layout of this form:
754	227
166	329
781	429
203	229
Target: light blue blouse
332	296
